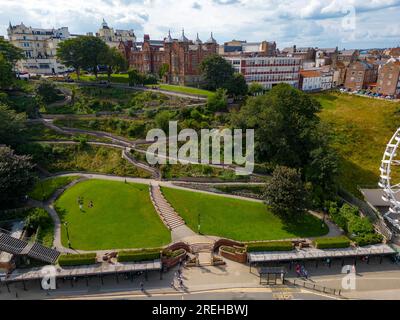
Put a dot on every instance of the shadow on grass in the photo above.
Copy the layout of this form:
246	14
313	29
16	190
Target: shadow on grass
306	226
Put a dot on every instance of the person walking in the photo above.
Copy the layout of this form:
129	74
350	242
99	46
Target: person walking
142	286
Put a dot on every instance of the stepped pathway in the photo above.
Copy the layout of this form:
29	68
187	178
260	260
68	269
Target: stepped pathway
168	215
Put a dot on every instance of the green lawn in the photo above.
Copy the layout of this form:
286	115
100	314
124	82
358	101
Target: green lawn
362	127
122	217
182	89
116	78
237	219
45	188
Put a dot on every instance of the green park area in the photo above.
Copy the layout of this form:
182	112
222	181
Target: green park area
44	189
121	217
115	78
238	219
361	128
183	89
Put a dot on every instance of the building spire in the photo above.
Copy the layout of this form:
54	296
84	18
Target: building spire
183	37
198	41
211	40
169	38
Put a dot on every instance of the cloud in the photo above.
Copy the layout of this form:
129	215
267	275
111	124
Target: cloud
196	5
288	22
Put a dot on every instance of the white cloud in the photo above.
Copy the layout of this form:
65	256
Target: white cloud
304	22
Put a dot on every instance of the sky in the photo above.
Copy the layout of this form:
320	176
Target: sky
318	23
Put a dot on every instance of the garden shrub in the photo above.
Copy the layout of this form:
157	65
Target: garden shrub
77	259
269	246
139	255
173	253
331	243
368	239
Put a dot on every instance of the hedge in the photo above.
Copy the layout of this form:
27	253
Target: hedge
269	246
332	243
368	239
139	255
173	254
77	259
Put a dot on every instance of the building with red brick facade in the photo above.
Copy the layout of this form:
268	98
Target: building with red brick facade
183	56
389	79
361	75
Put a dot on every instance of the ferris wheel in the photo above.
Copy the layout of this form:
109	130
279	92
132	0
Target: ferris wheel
391	188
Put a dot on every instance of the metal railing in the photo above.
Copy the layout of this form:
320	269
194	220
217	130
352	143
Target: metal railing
315	287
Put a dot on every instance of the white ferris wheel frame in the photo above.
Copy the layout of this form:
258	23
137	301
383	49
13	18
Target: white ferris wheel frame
388	160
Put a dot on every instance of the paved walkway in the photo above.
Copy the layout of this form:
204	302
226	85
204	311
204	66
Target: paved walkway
178	233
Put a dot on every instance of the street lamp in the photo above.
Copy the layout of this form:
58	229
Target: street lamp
66	227
198	226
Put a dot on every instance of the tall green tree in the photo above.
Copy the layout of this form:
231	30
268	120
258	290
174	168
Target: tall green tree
216	71
6	74
163	70
255	89
93	50
17	176
237	85
12	126
218	101
70	53
114	60
285	122
285	193
10	52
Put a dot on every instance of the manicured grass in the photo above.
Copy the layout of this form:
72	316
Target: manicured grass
182	89
45	188
237	219
122	217
116	78
361	129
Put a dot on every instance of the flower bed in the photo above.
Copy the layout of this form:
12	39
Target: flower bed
235	253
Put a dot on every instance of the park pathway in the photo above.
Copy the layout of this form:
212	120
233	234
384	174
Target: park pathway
167	214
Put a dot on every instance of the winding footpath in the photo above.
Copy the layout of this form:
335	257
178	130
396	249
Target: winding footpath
179	230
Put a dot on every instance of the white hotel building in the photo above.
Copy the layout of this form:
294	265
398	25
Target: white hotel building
266	70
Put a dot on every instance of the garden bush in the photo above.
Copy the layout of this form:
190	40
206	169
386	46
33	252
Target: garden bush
139	255
269	246
77	259
332	243
173	253
368	239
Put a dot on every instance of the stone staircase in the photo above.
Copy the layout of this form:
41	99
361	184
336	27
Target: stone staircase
167	214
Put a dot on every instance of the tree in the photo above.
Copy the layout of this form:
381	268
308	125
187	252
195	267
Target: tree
70	53
12	126
135	78
93	50
218	101
216	71
286	124
285	193
237	85
17	176
114	60
162	120
10	52
255	89
163	70
48	91
6	74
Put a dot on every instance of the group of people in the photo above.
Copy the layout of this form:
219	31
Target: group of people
301	271
178	277
81	202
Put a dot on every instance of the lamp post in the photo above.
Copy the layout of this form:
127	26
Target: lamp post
66	227
198	226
